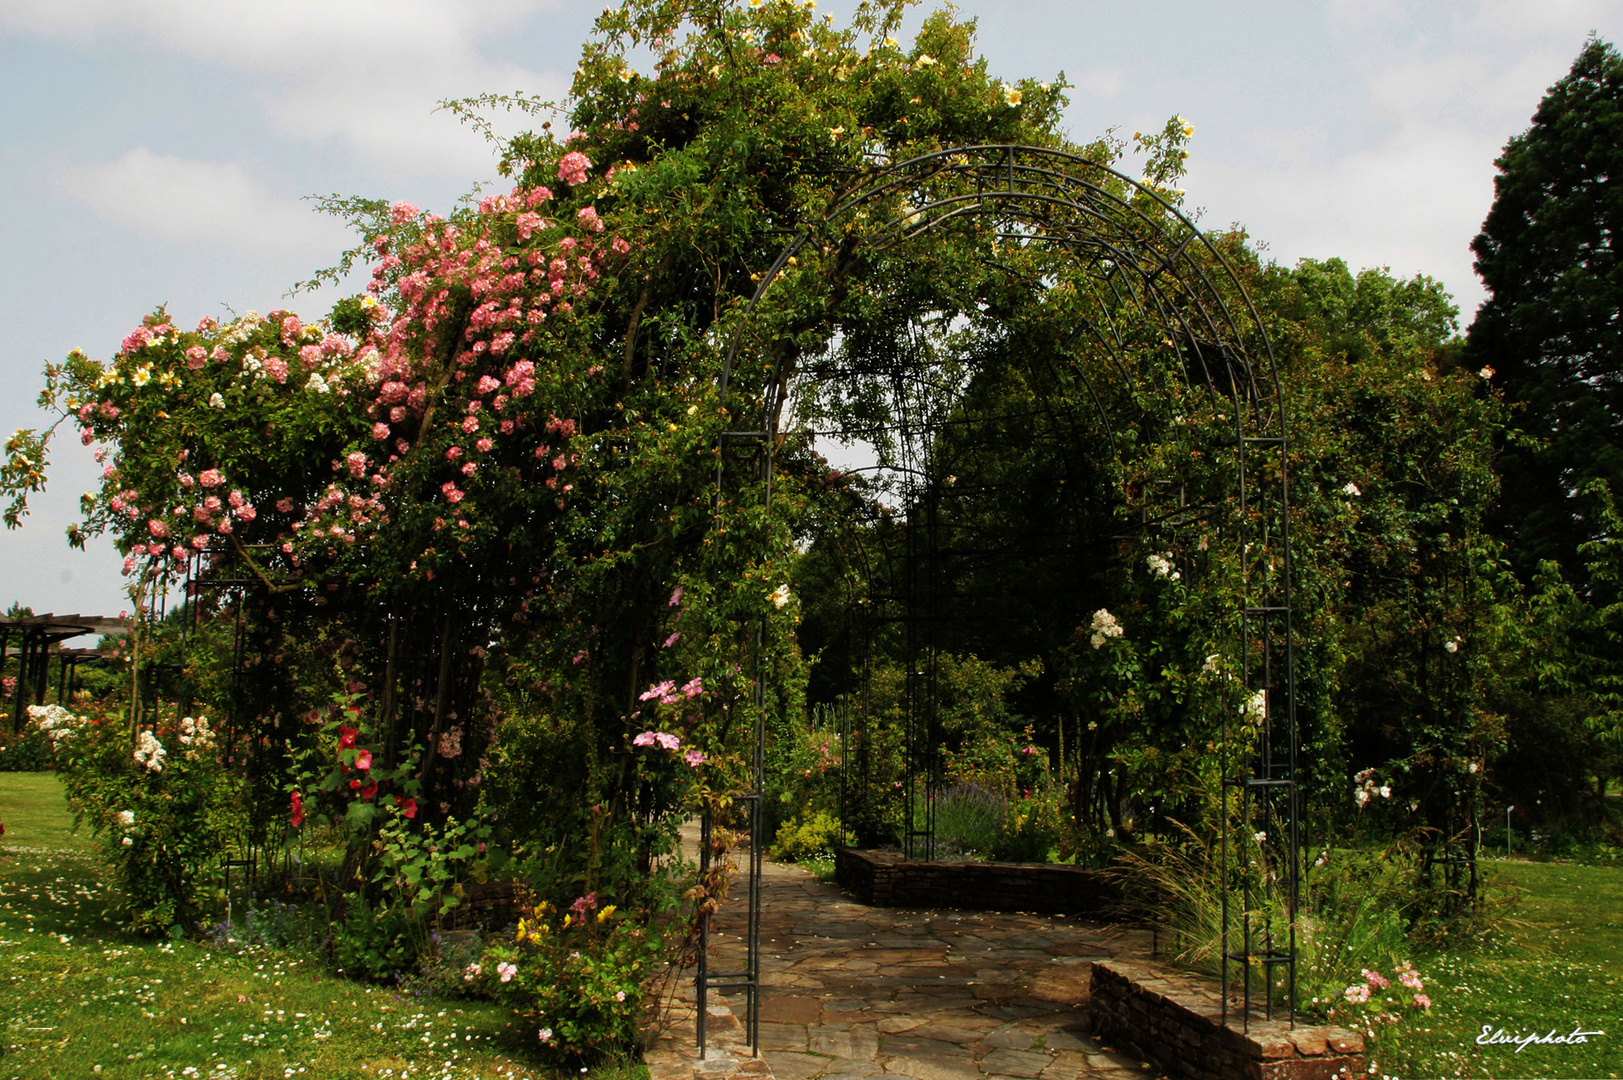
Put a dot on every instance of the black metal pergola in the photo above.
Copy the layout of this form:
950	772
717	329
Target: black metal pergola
1159	306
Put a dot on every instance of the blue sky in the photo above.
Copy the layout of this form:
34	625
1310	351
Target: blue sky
159	151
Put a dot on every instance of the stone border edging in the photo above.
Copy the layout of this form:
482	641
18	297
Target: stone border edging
886	879
1174	1019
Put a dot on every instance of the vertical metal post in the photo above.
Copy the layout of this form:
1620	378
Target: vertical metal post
747	980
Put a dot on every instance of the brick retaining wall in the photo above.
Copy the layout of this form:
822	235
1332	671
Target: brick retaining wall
886	879
1173	1019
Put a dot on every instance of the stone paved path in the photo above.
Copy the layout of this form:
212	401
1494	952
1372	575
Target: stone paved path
857	992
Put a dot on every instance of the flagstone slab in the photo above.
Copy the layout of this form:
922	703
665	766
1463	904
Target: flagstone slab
1010	1037
787	1065
1026	1064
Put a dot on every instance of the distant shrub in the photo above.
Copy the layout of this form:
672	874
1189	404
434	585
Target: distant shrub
968	820
797	839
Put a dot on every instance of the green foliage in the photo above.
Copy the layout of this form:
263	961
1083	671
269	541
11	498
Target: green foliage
577	978
162	806
1357	911
1030	829
802	837
380	944
969	821
1550	326
424	866
27	751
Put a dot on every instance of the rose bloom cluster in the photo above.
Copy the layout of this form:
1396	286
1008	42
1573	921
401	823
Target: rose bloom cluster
464	370
519	267
172	502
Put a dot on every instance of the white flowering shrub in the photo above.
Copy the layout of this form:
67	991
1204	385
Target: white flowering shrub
161	805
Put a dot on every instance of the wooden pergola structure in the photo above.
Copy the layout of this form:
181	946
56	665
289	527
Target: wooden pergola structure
37	639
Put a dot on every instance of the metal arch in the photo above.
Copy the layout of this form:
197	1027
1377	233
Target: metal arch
1144	262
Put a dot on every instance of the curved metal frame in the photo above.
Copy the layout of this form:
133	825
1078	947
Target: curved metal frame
1135	249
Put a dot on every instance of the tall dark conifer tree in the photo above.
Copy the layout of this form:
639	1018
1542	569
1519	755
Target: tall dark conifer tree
1552	327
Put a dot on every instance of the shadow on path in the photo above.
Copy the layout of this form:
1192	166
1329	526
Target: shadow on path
851	991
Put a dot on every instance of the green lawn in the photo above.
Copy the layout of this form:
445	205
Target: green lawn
1553	964
81	998
84	999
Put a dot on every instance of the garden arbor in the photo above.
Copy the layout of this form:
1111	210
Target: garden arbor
1140	358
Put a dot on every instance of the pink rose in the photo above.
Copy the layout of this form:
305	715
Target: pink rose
572	168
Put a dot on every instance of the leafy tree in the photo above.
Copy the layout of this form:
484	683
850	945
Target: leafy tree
1552	327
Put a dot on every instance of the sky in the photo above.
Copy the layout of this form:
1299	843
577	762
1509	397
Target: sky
164	151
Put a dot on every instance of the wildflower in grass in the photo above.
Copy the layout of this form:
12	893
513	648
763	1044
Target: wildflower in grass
1357	994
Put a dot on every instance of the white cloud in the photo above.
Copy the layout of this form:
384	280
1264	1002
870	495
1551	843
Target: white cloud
366	73
289	35
208	203
1105	83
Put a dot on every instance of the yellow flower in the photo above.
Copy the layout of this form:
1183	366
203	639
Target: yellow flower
925	60
605	913
1011	94
142	376
891	42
